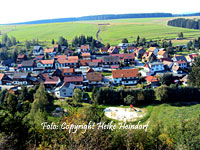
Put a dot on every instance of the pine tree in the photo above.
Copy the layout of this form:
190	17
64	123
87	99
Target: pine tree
52	42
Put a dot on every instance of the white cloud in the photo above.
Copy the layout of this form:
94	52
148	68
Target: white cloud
27	10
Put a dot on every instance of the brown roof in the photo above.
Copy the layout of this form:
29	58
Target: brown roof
168	63
130	47
73	79
94	76
180	62
61	60
46	61
125	73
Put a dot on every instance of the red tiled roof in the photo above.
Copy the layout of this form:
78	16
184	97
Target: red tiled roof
60	56
85	54
97	60
46	61
125	56
151	79
84	46
125	73
73	79
21	56
72	57
68	70
48	50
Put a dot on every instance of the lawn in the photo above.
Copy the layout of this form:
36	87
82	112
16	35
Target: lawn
106	73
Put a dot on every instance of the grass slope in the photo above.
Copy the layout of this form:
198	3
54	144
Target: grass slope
113	31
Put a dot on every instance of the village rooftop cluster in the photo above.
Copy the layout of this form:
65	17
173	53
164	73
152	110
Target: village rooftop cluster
62	73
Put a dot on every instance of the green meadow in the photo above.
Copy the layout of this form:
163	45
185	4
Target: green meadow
112	31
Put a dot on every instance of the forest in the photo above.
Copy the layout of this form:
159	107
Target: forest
185	23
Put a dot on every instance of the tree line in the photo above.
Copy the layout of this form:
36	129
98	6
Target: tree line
185	23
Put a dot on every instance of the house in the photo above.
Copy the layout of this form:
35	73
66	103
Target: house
20	78
37	50
27	65
46	64
21	58
85	48
181	63
154	50
113	50
51	82
4	79
125	76
66	90
50	51
103	50
148	56
152	80
168	64
162	54
140	52
85	56
95	66
68	72
179	57
94	78
123	45
190	57
126	58
8	62
108	61
84	62
154	67
77	80
176	69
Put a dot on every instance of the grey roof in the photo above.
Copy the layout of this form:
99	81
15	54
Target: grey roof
93	64
27	63
7	62
156	63
20	75
111	59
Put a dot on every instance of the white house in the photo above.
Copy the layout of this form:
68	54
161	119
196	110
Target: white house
125	76
181	63
154	67
46	64
66	90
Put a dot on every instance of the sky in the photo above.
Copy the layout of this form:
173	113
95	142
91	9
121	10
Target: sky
12	11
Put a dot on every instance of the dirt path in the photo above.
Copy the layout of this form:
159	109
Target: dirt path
97	34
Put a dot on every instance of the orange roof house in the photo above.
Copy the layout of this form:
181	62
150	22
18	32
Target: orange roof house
125	73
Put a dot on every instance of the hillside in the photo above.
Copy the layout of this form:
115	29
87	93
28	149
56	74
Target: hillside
112	31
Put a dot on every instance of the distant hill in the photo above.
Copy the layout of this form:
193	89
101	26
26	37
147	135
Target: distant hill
98	17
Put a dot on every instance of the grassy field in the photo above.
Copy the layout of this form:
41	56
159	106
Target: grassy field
112	31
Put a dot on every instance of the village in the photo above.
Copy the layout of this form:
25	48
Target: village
62	73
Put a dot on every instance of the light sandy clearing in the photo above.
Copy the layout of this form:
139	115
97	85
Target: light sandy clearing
124	114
